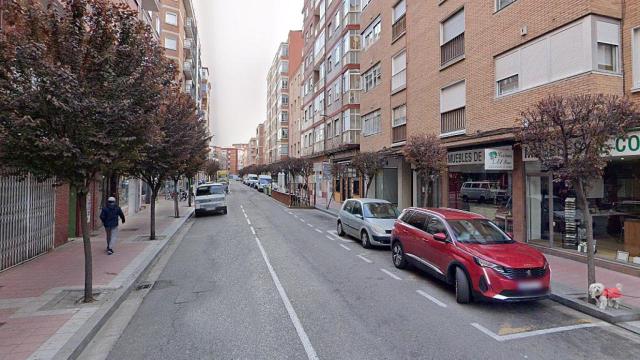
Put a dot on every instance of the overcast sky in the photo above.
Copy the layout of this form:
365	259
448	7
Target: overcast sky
239	40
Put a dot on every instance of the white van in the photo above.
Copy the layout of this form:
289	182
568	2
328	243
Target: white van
263	181
211	197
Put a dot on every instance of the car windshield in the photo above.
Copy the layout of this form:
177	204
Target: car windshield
380	211
265	181
210	190
478	231
253	177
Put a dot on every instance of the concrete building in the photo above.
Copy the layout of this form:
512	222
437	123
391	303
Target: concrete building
295	116
262	145
251	155
285	62
331	126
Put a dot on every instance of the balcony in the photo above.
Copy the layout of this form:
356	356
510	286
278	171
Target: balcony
399	134
352	97
318	147
318	85
398	28
452	50
453	122
351	137
188	46
188	27
352	18
351	57
150	5
308	151
187	69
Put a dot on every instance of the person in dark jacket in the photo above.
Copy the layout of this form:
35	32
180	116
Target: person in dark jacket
109	217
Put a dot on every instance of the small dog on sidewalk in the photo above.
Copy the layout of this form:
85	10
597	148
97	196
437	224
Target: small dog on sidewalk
606	297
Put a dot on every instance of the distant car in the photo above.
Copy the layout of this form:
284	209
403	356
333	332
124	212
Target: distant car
251	180
470	252
482	191
211	197
263	181
370	220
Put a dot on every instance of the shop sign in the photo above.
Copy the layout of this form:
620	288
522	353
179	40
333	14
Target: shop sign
498	159
466	157
626	147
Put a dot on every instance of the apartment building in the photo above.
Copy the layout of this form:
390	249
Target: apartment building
295	116
262	147
205	96
330	130
285	63
251	155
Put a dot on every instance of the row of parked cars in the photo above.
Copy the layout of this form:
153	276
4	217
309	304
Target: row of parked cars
258	182
461	248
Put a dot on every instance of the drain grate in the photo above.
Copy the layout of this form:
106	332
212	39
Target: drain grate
144	286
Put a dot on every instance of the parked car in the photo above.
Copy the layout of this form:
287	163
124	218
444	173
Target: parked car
251	180
370	220
482	191
211	197
263	180
470	252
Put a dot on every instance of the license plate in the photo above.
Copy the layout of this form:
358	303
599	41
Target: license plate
530	285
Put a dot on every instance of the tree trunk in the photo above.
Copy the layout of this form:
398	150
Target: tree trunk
591	267
368	185
176	207
86	241
189	192
152	224
425	197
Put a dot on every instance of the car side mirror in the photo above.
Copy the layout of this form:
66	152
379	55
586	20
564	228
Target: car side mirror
440	237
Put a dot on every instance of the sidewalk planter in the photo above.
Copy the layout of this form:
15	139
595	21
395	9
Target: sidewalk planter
286	199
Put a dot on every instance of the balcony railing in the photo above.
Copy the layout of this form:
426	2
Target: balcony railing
318	147
333	142
352	97
351	57
187	45
452	121
452	49
187	68
188	27
399	134
351	137
352	18
399	27
307	151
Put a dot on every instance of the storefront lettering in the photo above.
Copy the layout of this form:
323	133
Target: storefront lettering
630	144
465	157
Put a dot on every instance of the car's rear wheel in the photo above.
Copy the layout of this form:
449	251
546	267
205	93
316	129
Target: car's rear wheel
339	229
224	211
463	289
397	255
364	238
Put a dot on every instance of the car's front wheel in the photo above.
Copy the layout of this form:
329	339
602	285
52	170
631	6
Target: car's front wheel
463	289
364	238
397	255
339	229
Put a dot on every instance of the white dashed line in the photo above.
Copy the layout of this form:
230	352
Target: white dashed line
434	300
365	259
308	348
345	247
330	238
253	230
309	225
526	334
318	230
248	221
390	274
301	219
245	215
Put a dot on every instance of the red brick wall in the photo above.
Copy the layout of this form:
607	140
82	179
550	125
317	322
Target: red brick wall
61	215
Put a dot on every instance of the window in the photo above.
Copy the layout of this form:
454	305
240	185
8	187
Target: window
285	83
357	208
418	220
436	226
607	57
371	123
285	100
503	3
171	18
336	127
508	85
284	66
399	22
170	43
452	109
635	56
399	116
348	206
399	10
372	78
365	3
329	96
284	116
372	33
452	38
329	132
398	71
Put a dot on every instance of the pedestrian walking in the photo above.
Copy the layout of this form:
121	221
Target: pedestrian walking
109	217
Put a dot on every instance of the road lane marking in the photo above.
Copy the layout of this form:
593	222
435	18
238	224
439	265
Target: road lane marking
309	225
245	215
365	259
301	219
526	334
318	230
330	238
308	348
248	221
391	274
345	247
434	300
289	212
253	230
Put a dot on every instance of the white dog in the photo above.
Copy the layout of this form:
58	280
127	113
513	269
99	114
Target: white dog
606	296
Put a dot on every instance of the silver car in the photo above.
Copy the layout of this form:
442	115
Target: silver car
370	220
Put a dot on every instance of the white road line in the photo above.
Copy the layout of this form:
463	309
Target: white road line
391	274
365	259
345	247
311	353
526	334
301	219
330	238
434	300
309	225
289	212
345	240
318	230
248	221
253	230
245	215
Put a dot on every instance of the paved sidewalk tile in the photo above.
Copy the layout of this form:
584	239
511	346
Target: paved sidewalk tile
31	330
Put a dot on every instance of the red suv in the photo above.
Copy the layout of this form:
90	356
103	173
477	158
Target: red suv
471	252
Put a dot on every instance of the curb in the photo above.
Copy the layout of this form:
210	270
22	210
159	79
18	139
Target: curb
613	316
328	212
76	345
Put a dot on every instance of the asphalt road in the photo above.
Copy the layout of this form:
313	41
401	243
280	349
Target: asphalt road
294	290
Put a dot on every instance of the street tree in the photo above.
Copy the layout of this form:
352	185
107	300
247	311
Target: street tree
572	137
429	158
368	163
211	168
77	82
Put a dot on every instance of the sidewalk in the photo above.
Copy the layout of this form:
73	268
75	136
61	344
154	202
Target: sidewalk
334	207
41	312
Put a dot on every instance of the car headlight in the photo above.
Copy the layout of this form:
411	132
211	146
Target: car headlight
378	229
488	264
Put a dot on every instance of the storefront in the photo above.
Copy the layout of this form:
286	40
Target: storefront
556	219
481	181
